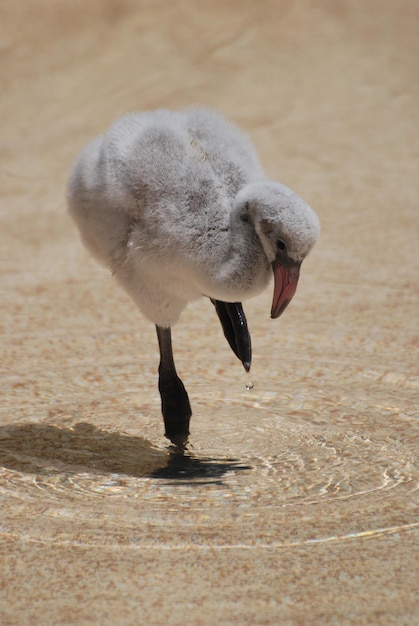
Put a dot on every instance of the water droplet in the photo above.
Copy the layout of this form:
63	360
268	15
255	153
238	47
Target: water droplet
249	386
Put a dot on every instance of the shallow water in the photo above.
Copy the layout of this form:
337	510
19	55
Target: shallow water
304	482
122	490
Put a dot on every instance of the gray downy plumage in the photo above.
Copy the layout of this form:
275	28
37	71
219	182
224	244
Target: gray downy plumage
177	206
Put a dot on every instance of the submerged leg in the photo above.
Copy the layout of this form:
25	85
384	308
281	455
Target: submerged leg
233	321
174	398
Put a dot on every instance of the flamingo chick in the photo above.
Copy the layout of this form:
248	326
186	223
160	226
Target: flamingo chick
177	206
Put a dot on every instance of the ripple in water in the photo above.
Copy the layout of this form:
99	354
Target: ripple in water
152	496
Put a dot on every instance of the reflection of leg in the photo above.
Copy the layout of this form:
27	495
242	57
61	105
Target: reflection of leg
233	321
175	404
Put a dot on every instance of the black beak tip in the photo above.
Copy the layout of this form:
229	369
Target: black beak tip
274	315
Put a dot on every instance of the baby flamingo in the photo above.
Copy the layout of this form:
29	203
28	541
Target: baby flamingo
177	206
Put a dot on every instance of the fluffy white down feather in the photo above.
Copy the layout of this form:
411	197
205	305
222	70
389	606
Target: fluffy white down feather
177	205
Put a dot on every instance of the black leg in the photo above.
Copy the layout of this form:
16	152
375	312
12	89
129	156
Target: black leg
174	398
233	321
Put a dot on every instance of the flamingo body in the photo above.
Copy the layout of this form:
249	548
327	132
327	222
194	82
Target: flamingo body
177	206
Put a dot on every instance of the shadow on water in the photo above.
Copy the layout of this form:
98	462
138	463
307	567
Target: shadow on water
46	450
183	467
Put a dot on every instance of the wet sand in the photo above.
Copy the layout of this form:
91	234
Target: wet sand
297	502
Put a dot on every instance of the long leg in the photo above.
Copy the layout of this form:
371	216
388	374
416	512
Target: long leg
175	404
233	321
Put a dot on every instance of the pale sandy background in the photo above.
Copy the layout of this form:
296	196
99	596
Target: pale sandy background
298	505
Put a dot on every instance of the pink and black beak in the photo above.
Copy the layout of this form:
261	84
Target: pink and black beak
286	275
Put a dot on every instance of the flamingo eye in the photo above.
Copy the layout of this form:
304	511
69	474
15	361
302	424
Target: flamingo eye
281	245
